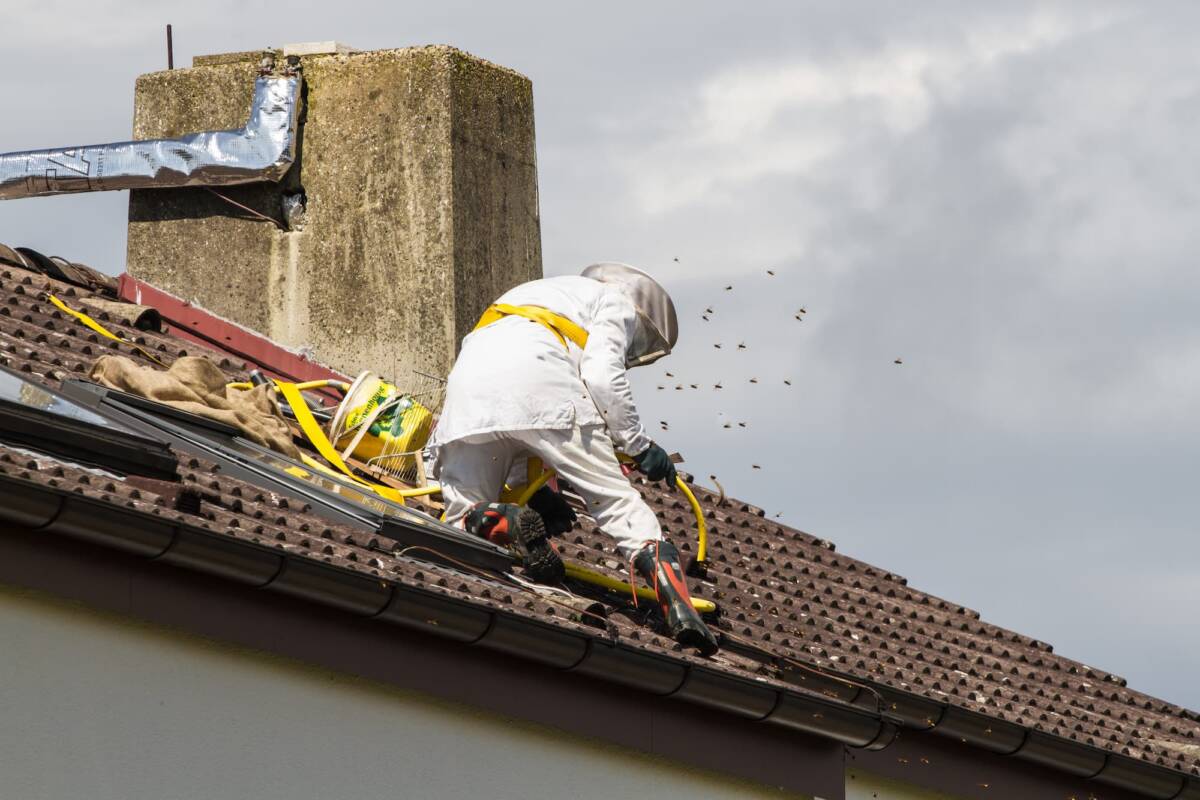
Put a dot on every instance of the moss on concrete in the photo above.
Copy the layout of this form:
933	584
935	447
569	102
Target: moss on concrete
421	182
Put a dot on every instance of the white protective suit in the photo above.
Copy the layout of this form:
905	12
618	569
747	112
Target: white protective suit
516	391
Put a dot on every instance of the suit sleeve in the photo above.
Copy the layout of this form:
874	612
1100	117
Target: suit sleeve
602	369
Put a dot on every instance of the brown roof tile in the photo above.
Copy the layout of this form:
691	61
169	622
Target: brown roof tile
789	596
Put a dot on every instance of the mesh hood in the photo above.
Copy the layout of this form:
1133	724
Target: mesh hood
658	328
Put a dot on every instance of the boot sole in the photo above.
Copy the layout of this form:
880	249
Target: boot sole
541	561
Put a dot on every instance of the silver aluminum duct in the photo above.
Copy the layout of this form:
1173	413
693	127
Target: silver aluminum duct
263	150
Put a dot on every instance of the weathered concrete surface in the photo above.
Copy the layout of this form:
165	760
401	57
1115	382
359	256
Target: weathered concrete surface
419	171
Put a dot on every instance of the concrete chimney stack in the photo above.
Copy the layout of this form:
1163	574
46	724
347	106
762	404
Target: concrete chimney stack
413	204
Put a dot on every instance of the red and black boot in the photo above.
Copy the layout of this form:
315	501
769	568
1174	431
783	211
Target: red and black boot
522	529
658	564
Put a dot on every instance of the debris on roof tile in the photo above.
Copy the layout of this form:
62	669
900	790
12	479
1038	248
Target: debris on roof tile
794	608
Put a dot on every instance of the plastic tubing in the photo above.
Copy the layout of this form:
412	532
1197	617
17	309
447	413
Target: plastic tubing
644	592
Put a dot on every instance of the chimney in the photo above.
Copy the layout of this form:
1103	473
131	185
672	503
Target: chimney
412	205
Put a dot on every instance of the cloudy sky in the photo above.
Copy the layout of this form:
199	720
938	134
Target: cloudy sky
1004	197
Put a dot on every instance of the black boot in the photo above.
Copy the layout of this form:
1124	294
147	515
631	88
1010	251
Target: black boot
658	564
522	529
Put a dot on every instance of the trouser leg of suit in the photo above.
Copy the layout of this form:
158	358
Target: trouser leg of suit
584	457
473	470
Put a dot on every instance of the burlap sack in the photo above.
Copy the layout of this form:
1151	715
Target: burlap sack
196	385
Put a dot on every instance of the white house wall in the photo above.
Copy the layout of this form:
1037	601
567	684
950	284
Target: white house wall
93	706
862	785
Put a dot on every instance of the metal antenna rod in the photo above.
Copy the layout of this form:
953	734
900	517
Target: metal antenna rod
170	49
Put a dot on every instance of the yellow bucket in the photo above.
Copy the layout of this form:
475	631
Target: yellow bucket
381	425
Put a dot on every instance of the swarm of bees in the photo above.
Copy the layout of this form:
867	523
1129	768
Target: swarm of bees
800	314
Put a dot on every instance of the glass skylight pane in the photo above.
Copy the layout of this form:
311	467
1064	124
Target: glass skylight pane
330	483
18	391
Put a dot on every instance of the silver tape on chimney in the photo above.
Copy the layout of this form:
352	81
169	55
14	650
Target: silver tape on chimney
263	150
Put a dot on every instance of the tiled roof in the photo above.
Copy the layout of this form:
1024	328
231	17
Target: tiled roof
788	600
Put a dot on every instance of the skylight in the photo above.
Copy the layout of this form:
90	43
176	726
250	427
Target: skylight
35	416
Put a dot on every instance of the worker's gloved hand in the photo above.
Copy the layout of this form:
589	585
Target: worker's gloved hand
656	464
554	509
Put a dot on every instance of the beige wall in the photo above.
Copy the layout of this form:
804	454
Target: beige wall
96	707
865	786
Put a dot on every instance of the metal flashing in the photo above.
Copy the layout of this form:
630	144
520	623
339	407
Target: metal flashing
192	323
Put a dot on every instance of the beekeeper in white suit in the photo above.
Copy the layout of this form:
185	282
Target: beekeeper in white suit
544	374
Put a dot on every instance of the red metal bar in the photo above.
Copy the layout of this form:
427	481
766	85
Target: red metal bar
197	325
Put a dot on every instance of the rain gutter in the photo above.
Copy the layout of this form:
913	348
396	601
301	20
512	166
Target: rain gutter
826	707
177	542
1079	759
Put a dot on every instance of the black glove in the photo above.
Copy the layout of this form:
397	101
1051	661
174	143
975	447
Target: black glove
555	511
656	464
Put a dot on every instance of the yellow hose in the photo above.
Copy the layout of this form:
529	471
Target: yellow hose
701	528
531	489
319	384
644	592
599	579
420	491
697	511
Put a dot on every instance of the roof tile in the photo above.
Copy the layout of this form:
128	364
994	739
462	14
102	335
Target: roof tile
783	591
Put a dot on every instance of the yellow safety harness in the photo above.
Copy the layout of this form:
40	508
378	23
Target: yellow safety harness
103	331
564	329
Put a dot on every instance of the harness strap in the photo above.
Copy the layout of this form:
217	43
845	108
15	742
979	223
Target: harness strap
103	331
312	430
564	329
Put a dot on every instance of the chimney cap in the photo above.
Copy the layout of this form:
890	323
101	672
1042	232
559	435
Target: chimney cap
318	48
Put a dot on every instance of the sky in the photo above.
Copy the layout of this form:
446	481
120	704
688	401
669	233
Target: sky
1001	197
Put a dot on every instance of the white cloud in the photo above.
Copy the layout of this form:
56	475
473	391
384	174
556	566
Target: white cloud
789	117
